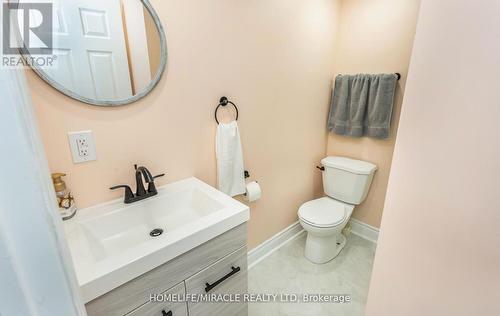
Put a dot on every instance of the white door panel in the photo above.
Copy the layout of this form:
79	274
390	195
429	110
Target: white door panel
90	42
65	72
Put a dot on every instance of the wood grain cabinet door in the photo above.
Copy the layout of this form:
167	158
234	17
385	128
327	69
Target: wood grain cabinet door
226	276
164	308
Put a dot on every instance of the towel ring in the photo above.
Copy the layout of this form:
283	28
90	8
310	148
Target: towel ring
224	102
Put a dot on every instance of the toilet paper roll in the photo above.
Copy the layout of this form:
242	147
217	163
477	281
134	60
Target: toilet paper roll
253	192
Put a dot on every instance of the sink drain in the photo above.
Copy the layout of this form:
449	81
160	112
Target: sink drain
156	232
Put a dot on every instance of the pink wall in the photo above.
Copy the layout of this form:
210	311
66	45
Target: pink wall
438	252
375	36
274	58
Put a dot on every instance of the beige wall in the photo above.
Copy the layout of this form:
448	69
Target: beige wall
438	252
376	36
274	58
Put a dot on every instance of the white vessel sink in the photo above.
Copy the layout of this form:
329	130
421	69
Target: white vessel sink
111	244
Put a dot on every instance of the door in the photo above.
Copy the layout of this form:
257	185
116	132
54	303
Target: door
89	43
36	274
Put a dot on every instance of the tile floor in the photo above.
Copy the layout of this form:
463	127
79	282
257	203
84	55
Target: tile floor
287	271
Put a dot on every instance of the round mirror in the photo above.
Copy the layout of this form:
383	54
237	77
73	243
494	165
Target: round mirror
105	53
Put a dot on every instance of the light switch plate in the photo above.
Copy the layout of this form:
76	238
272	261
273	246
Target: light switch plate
82	146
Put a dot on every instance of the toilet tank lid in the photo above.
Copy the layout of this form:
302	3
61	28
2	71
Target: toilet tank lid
348	164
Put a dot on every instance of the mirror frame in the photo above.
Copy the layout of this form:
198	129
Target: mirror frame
154	82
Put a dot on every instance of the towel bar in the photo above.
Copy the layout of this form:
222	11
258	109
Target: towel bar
397	74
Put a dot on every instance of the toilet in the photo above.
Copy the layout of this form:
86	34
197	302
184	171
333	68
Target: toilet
346	183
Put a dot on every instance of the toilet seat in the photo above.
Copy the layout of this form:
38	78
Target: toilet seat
324	212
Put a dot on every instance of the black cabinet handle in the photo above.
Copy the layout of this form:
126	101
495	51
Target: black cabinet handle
164	313
209	286
321	168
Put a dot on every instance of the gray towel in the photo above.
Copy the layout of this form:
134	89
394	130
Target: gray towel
362	105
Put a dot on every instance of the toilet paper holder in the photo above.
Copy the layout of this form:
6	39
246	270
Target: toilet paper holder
252	197
247	175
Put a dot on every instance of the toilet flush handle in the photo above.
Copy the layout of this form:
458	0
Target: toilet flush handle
321	168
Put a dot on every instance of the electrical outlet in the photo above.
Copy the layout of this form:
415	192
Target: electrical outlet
82	146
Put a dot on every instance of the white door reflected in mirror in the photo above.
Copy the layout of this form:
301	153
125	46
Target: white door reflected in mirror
109	52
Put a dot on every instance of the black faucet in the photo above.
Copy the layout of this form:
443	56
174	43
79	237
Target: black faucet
141	193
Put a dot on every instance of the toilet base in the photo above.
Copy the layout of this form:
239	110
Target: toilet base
321	249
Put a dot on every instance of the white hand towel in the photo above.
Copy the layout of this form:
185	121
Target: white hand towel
230	170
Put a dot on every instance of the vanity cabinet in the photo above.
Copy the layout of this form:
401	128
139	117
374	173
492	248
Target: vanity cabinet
215	267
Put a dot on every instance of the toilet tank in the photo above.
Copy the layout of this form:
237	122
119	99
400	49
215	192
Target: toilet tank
347	179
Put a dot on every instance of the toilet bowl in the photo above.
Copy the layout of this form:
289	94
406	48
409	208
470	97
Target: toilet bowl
324	219
346	183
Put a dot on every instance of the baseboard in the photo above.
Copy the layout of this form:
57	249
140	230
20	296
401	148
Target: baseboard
363	230
293	231
274	243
